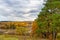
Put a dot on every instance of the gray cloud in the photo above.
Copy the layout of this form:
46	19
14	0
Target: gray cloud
19	10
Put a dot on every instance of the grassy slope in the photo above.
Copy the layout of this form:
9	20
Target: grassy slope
10	37
3	37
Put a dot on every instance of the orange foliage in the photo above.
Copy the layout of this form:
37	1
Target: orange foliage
34	26
23	24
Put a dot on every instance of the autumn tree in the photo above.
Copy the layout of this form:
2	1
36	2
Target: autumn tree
21	30
49	18
34	27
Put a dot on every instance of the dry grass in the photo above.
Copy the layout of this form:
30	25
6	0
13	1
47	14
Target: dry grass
11	37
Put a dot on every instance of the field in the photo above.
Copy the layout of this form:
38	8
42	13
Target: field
10	37
7	37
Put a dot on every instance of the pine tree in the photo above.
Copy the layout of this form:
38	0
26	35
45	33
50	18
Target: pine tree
49	18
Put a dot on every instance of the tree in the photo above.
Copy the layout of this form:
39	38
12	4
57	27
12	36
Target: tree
12	26
49	18
21	30
34	26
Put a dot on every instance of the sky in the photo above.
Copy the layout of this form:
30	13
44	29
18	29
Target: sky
20	10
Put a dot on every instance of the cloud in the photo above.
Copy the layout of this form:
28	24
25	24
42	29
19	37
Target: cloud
20	10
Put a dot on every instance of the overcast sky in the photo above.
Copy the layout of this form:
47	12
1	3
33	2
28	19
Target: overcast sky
20	10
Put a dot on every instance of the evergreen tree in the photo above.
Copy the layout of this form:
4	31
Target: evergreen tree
49	18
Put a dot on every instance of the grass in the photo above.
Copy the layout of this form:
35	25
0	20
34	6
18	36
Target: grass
7	37
11	37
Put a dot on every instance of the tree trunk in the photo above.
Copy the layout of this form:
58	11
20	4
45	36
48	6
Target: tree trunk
54	35
50	37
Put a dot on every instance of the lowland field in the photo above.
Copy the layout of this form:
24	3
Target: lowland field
15	37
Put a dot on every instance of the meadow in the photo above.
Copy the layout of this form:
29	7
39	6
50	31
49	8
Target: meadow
7	37
15	37
11	37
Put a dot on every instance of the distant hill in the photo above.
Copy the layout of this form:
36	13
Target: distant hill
9	25
16	23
